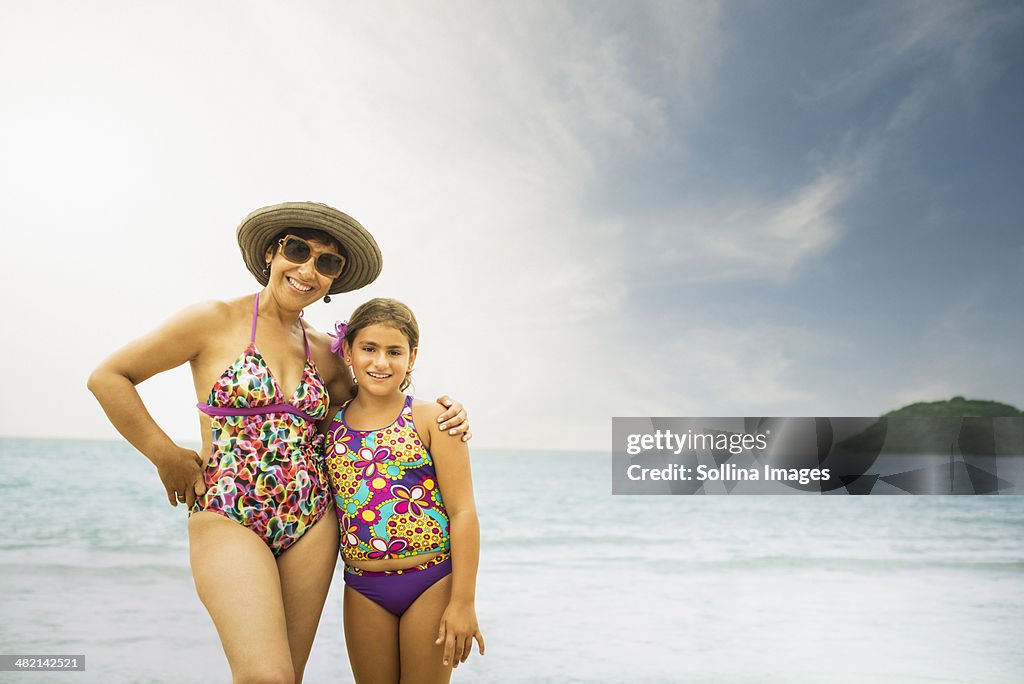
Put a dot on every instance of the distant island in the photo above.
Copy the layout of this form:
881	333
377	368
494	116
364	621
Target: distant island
958	407
924	428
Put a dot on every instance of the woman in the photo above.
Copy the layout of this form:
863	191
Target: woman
261	559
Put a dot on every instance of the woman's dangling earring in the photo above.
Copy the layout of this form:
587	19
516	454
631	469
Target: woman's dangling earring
327	299
266	269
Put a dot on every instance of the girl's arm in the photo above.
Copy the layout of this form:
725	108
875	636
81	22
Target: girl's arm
113	383
458	625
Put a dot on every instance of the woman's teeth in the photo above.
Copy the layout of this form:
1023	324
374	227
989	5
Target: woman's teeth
299	286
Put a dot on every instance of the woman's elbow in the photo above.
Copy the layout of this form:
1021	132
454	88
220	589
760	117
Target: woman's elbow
98	380
95	380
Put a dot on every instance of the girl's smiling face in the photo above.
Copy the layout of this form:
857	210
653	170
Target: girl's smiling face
380	358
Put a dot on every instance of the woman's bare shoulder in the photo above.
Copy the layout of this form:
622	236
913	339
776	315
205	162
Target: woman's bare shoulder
209	325
211	308
319	339
326	360
212	313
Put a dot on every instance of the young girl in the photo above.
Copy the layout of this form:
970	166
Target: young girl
409	532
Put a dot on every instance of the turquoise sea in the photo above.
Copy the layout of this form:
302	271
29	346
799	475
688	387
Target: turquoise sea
575	585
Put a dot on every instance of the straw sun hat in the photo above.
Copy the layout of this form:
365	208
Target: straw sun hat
362	255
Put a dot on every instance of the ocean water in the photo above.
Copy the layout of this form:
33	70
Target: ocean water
575	585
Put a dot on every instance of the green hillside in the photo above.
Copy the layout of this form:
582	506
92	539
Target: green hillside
926	428
958	407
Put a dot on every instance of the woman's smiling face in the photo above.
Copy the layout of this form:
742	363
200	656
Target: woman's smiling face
380	359
301	281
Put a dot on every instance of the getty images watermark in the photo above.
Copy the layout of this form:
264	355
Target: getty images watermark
817	455
733	444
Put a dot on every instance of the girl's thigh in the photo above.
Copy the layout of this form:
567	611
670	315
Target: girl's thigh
306	569
237	580
371	637
421	657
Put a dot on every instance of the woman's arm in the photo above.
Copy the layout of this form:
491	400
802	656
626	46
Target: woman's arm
459	624
113	383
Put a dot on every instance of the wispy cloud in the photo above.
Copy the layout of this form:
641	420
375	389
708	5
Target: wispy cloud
745	238
948	40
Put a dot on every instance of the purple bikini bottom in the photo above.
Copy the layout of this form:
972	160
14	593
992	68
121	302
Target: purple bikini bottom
396	590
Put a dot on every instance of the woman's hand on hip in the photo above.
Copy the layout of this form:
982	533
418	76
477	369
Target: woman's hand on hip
181	471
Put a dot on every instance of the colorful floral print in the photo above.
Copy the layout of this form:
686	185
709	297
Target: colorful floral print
265	470
385	489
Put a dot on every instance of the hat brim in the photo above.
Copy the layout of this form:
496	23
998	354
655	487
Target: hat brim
256	233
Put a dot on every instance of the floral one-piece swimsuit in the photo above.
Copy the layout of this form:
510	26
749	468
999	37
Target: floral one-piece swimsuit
265	470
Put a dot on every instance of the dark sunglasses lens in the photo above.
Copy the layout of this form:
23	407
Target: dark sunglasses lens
330	265
296	250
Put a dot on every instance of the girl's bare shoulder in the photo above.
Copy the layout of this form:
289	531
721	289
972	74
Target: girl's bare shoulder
425	414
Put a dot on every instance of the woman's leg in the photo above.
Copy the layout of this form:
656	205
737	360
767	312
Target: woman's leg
371	637
421	657
238	582
306	569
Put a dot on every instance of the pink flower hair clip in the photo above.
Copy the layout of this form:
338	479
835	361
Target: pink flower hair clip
340	330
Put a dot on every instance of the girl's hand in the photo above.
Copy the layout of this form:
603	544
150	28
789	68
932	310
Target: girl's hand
454	420
457	631
181	471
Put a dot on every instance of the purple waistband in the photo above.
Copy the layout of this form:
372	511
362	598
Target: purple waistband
253	410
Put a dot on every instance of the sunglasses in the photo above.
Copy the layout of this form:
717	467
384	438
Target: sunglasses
298	251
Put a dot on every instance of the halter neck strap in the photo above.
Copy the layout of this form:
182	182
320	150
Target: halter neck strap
305	340
255	315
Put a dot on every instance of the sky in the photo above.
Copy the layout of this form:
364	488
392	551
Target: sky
595	209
